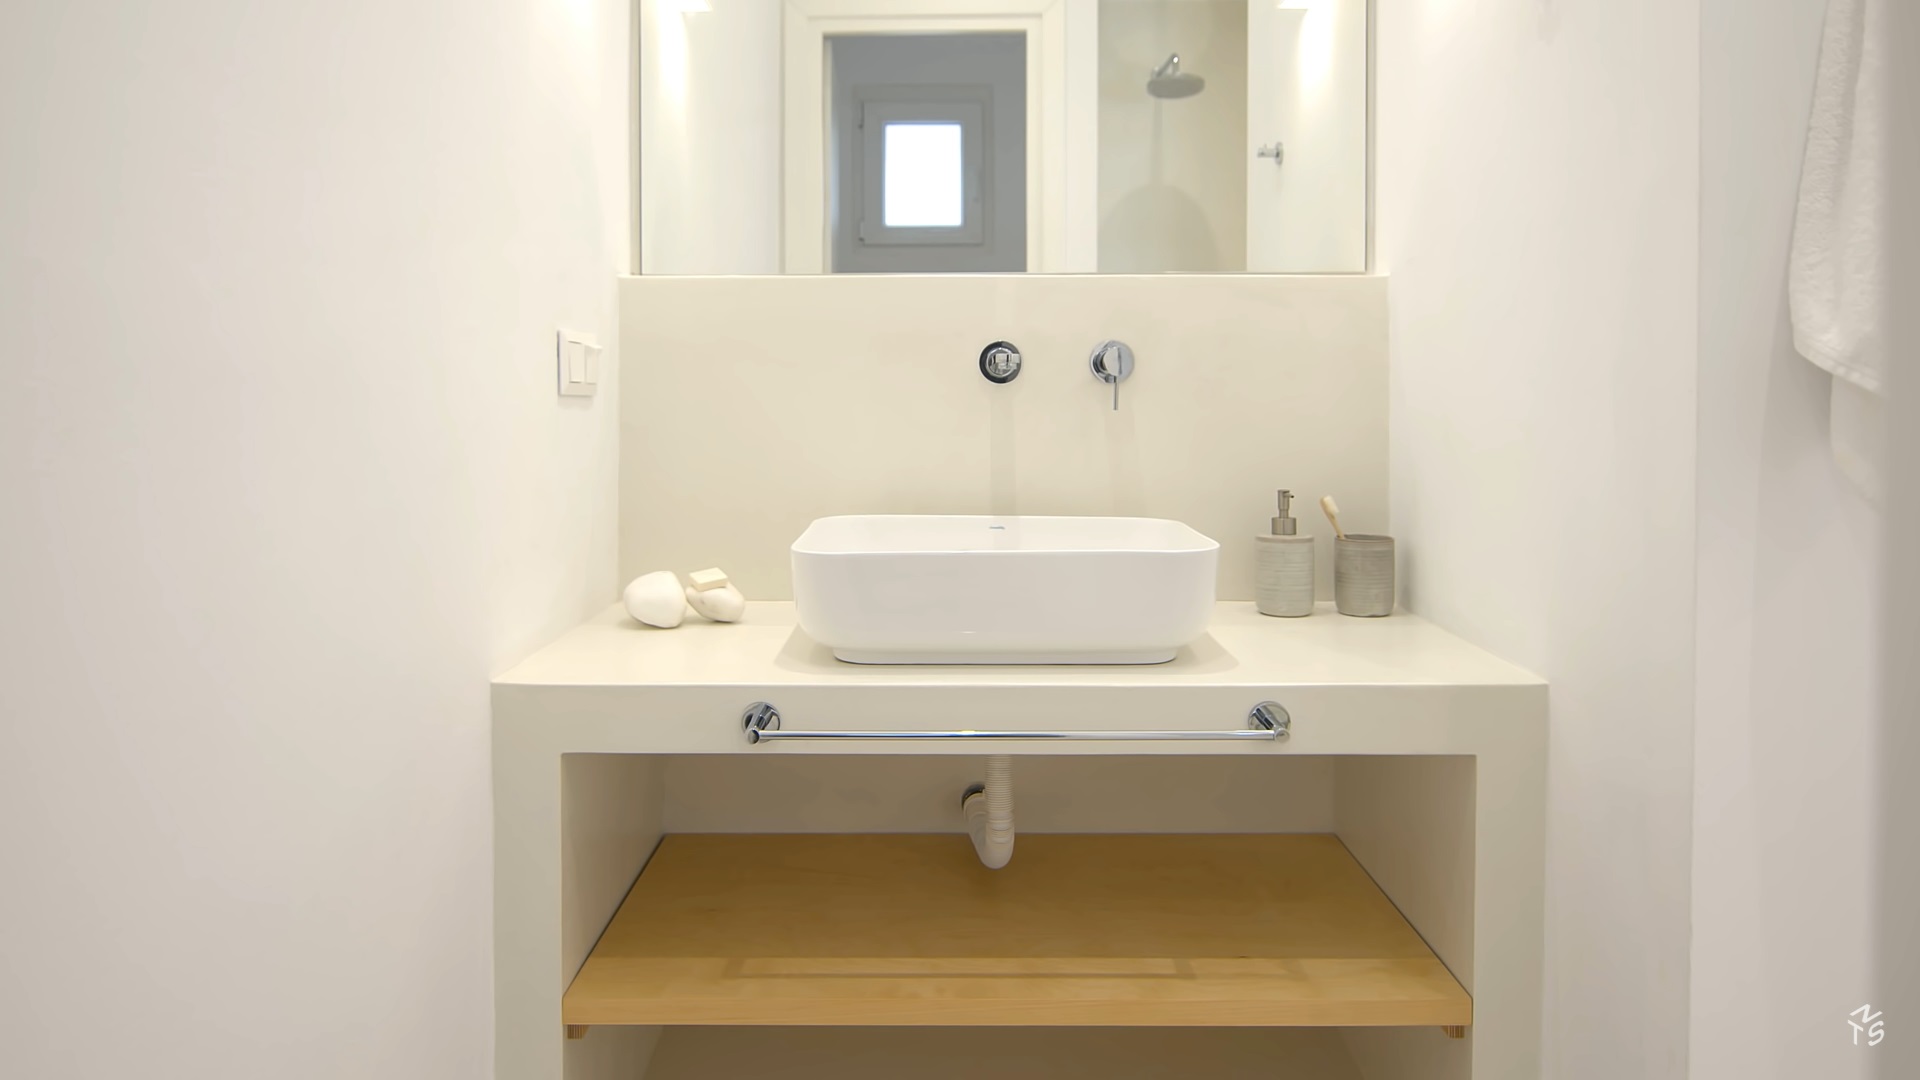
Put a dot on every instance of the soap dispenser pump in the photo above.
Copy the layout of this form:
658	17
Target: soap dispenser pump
1283	566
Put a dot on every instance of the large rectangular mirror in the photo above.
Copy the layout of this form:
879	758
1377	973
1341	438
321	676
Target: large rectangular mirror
1053	136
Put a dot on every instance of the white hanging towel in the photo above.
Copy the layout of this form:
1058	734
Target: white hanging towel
1837	276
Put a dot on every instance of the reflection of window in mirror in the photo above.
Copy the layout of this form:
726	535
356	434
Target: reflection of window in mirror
927	152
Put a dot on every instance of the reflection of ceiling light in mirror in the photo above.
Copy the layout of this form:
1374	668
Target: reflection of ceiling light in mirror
1315	59
668	38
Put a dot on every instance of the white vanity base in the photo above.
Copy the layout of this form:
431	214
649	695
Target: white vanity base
1424	755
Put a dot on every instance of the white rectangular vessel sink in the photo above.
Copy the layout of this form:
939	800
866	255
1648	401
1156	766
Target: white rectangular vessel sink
935	589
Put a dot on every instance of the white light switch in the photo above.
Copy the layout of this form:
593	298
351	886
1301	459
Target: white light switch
578	356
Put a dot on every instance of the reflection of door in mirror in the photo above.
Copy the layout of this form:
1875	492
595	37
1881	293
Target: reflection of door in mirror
926	156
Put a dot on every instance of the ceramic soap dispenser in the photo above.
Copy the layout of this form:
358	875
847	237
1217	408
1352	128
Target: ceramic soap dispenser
1283	566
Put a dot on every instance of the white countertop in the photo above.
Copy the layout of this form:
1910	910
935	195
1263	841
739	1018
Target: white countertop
1241	649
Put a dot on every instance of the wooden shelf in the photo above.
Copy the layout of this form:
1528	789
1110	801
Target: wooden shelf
1004	1053
1163	930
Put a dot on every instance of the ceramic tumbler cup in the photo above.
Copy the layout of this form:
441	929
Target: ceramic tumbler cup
1363	575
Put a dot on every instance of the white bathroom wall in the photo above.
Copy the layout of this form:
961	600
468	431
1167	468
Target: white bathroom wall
710	129
1788	584
1173	182
284	478
1538	211
754	405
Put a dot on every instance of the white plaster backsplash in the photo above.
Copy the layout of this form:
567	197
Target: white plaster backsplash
752	405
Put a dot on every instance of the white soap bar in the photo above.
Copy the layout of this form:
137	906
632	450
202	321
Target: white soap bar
724	604
656	599
710	578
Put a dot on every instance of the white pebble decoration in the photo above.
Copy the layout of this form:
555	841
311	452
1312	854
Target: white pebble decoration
656	599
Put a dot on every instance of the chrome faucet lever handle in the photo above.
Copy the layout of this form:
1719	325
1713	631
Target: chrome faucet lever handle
1111	363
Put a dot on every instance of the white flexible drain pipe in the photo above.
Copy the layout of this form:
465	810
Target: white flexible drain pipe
989	814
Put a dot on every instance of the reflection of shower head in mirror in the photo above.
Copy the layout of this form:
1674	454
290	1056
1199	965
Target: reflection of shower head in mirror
1168	81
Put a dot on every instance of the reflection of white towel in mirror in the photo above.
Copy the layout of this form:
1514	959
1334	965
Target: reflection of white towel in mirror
1837	277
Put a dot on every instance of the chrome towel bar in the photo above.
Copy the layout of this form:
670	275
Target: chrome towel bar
1266	722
